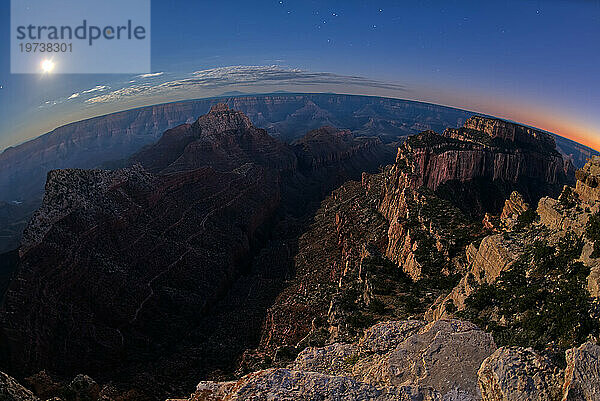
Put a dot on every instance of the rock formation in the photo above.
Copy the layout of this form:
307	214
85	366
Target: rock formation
11	390
514	206
477	164
513	373
221	252
582	375
154	264
406	360
223	139
411	360
108	140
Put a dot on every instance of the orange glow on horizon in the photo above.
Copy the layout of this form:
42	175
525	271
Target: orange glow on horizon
542	118
574	131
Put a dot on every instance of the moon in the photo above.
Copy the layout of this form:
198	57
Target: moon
47	66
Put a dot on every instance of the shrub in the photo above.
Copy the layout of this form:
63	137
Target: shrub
542	299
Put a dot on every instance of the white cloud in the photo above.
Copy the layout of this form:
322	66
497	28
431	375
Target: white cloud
97	88
151	75
222	77
74	95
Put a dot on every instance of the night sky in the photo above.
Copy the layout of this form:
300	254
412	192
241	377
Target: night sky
536	62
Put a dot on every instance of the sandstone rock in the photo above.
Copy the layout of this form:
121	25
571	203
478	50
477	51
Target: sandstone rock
510	132
490	222
474	151
518	374
404	360
285	384
588	180
10	390
560	219
582	375
342	359
386	336
495	254
84	388
334	359
212	391
513	208
444	355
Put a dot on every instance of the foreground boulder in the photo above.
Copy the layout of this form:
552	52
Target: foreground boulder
10	390
582	375
285	384
514	373
405	360
518	374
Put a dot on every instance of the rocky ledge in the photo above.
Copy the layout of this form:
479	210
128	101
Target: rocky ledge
412	360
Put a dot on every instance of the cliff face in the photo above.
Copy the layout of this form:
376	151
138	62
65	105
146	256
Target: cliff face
328	145
106	141
90	143
479	165
223	139
570	214
511	132
130	259
394	217
172	261
411	360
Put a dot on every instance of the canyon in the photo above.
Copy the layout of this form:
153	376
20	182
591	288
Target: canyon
224	262
108	141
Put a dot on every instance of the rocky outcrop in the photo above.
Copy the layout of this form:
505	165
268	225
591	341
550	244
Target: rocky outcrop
588	181
427	358
510	132
422	227
494	255
70	190
223	139
518	374
285	384
484	161
515	374
10	390
329	145
405	360
514	206
582	375
569	214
